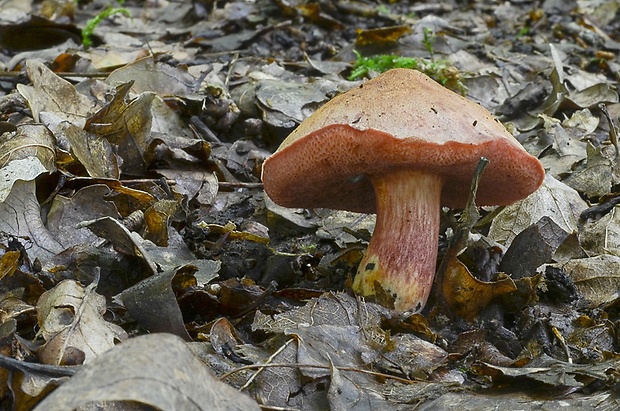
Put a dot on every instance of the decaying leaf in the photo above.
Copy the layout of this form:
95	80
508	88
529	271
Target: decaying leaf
70	318
458	401
532	247
334	330
86	204
285	103
153	305
467	295
25	155
564	146
554	373
127	125
599	173
33	32
156	219
216	90
94	152
597	278
122	239
148	75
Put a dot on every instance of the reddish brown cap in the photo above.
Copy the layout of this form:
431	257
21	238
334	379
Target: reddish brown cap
400	119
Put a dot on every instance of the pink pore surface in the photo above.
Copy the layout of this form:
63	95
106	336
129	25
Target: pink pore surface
330	168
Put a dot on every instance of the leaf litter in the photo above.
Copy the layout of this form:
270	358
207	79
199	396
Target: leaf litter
131	203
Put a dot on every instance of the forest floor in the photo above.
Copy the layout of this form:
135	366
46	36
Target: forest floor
142	265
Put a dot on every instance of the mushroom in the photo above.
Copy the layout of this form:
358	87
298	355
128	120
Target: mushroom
401	146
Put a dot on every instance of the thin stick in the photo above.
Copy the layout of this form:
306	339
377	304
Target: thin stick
323	367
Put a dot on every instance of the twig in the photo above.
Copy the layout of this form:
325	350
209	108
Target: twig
322	367
12	364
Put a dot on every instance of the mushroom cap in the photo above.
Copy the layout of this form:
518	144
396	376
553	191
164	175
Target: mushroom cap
400	119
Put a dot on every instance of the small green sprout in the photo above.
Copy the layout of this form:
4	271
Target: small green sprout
382	9
524	31
311	248
428	40
87	31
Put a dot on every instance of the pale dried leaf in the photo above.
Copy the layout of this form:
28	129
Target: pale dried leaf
70	315
596	278
149	75
603	235
29	140
50	93
20	215
553	199
600	173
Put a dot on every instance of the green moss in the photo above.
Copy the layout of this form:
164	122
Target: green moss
439	70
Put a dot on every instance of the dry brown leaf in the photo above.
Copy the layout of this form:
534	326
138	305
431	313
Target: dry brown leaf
466	295
127	125
70	316
50	93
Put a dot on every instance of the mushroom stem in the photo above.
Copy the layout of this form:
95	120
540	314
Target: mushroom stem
399	265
